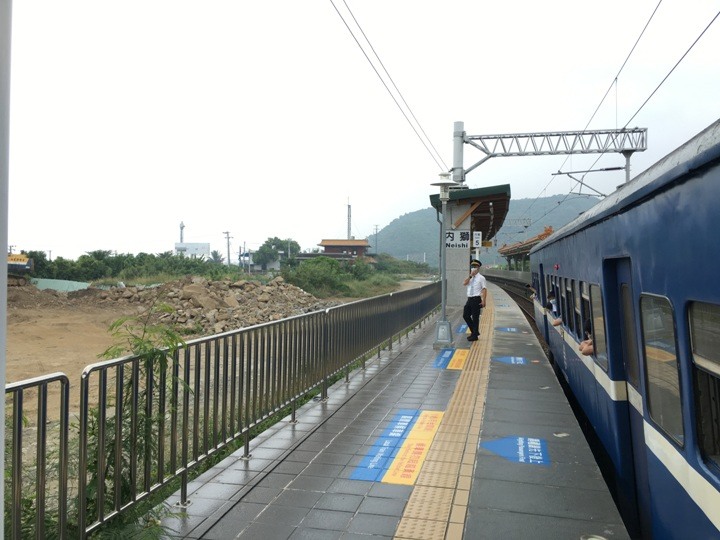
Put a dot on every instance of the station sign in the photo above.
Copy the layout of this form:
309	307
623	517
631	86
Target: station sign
477	239
457	239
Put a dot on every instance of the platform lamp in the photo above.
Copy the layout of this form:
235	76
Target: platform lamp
443	332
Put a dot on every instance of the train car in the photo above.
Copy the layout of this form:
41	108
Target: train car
639	272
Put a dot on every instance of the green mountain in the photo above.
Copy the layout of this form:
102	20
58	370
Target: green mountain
416	236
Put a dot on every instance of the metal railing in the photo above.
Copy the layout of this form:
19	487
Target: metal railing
145	423
47	470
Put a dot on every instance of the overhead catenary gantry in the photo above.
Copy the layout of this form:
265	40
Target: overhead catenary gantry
600	141
487	211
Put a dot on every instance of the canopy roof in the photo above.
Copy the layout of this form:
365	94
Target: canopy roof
487	207
523	248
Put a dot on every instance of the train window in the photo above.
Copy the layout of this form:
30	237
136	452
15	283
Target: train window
598	326
551	287
705	335
663	379
630	355
548	288
568	309
578	321
584	289
584	309
704	321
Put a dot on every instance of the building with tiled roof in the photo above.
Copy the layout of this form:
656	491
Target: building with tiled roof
350	248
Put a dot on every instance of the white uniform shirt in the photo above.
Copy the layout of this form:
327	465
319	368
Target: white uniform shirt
476	285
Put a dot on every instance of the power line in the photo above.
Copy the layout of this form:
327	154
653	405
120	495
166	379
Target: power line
394	85
613	83
664	79
441	164
673	68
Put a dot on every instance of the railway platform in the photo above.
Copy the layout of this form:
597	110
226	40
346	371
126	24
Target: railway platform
475	441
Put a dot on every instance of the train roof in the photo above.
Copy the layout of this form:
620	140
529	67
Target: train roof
699	151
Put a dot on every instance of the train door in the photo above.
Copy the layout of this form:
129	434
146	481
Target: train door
631	362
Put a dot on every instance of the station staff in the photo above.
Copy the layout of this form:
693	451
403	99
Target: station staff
476	294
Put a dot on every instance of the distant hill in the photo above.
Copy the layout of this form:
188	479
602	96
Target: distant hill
416	236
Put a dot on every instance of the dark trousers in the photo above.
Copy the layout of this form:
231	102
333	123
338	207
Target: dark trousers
471	314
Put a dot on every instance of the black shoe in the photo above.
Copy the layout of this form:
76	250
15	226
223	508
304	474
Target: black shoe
472	337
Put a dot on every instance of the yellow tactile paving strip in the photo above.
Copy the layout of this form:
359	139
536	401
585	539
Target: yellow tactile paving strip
438	503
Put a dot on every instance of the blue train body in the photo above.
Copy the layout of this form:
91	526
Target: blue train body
642	267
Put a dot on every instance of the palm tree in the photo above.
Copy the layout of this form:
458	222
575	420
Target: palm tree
216	257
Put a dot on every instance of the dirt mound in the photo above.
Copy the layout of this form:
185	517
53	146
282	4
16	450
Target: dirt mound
199	307
51	331
29	296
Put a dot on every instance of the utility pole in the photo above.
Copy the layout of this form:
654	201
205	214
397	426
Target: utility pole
377	248
228	237
349	222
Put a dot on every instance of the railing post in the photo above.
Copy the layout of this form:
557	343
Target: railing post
17	465
186	424
246	451
325	353
293	419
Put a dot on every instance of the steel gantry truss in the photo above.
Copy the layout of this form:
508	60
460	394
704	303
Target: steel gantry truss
599	141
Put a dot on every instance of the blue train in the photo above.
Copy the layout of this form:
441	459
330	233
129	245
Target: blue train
640	272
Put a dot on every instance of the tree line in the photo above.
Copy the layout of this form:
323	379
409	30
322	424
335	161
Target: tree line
321	276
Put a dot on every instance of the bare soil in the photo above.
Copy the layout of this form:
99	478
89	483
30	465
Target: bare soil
48	332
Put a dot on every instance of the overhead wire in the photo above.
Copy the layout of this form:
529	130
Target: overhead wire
614	81
663	80
394	85
435	156
673	68
612	84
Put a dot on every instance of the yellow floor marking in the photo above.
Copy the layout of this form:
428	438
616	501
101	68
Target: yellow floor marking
406	466
458	359
438	504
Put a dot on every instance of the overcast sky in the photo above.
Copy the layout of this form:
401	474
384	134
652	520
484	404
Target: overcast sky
265	118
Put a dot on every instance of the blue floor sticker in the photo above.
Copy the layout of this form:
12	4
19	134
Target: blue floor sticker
517	360
530	450
462	329
443	358
375	462
511	329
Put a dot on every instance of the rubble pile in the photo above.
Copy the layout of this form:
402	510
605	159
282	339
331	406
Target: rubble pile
202	307
199	307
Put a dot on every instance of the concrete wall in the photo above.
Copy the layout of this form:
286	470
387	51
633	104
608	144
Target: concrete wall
457	265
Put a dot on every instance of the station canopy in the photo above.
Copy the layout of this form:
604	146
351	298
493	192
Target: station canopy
486	207
522	249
